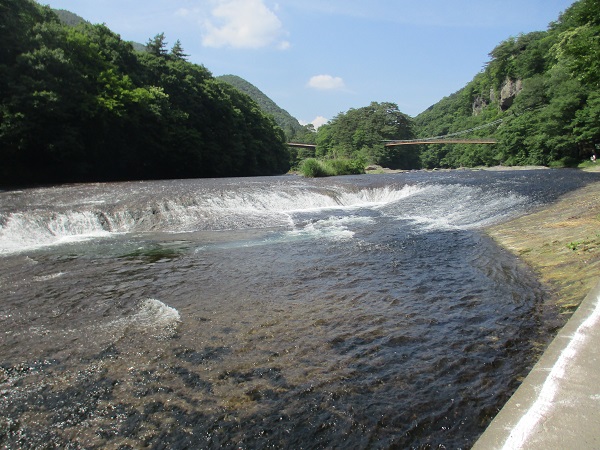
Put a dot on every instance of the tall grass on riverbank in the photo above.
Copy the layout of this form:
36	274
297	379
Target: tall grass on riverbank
313	168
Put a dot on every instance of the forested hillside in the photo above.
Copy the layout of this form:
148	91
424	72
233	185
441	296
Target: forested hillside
289	124
538	96
359	134
79	104
69	18
545	88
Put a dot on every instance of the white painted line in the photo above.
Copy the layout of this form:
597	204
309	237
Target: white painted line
543	404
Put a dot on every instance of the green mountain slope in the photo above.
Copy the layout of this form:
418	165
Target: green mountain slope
69	18
79	104
73	20
545	89
289	124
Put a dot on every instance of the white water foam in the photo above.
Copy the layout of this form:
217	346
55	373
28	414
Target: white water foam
51	276
22	231
439	207
153	317
333	228
430	206
228	210
158	317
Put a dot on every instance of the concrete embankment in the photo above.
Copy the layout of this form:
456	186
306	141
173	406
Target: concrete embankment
558	403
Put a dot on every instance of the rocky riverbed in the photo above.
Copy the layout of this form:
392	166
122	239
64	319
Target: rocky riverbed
561	243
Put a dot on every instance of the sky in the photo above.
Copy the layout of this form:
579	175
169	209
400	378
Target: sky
319	58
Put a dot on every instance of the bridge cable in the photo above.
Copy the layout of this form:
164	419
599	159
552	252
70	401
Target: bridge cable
458	133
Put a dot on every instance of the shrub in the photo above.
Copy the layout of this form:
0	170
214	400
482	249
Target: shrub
314	168
345	166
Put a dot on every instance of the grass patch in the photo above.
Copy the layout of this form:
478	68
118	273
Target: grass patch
587	164
313	168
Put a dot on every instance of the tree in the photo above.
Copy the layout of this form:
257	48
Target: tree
177	51
359	133
78	104
157	46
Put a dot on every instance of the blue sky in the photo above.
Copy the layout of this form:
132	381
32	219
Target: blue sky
317	58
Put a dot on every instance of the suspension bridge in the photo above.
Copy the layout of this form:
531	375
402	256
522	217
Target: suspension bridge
440	141
299	145
451	138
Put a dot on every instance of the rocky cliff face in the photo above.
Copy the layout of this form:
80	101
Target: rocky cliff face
509	90
481	101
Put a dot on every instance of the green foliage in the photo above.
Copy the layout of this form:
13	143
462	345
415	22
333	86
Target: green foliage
78	103
291	127
359	134
552	120
177	51
157	46
313	168
68	18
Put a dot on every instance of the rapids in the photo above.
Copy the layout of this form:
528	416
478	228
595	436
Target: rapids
355	312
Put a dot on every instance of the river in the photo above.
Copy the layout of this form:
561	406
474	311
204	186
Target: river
350	312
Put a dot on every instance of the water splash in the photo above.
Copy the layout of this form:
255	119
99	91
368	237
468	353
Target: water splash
254	207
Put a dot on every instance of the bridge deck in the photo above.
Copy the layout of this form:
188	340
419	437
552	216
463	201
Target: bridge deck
415	141
297	144
441	141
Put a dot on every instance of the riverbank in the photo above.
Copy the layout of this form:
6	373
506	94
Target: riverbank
561	243
557	405
376	169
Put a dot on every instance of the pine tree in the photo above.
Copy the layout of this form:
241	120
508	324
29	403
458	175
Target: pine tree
157	45
177	51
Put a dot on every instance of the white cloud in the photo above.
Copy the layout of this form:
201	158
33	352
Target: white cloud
243	24
316	122
326	82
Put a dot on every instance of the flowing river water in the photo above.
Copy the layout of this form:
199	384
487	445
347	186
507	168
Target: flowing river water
351	312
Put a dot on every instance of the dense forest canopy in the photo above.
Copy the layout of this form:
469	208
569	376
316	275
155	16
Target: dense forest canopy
78	103
359	134
545	86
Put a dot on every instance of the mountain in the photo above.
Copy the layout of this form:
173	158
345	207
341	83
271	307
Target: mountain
539	96
285	120
69	18
73	20
78	104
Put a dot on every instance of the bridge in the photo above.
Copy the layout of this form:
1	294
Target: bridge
451	138
391	143
440	141
300	145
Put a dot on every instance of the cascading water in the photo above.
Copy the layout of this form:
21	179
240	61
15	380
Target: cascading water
363	312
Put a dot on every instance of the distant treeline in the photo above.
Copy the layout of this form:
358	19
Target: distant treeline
80	104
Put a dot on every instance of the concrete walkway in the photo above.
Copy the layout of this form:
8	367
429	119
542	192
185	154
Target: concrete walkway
558	405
